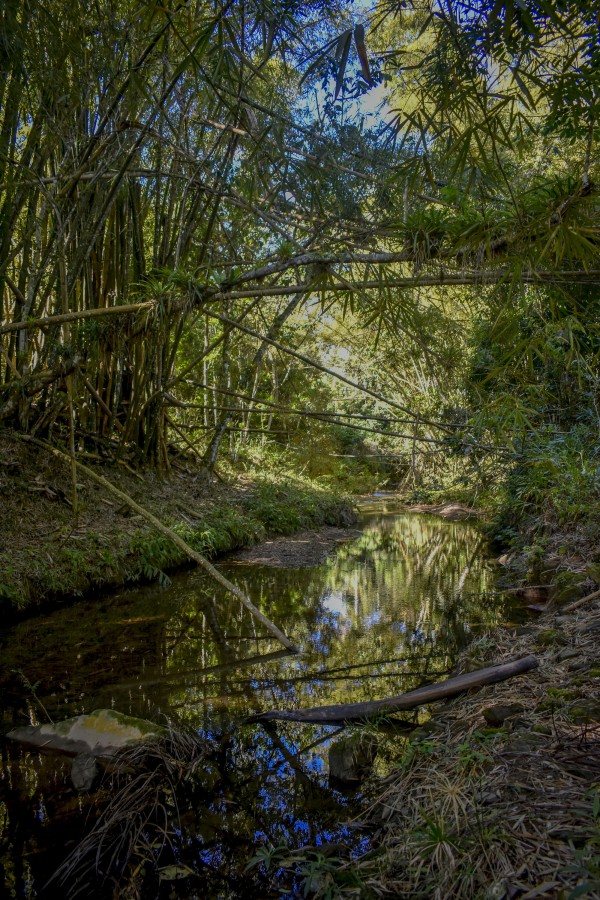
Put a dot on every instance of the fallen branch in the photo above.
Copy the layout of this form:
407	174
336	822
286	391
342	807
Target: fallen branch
578	603
356	712
173	536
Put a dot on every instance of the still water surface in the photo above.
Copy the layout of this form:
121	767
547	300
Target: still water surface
388	611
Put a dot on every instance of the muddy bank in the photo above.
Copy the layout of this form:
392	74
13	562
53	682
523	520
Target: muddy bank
308	548
47	552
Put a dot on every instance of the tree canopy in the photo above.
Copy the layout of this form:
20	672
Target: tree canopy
263	221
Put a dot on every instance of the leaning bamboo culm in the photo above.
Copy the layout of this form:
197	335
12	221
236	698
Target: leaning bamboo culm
177	540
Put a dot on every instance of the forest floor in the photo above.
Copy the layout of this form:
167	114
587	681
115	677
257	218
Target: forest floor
498	794
46	553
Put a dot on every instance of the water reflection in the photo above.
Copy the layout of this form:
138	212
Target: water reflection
391	609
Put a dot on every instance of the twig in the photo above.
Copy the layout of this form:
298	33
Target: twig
581	602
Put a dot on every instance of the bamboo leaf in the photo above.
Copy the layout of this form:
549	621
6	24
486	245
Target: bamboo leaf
359	40
347	41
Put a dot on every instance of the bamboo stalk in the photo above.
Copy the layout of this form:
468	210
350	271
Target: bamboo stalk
48	321
102	404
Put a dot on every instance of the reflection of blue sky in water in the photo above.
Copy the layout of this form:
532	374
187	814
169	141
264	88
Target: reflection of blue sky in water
388	611
335	602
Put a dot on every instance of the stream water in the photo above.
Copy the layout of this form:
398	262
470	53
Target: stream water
389	610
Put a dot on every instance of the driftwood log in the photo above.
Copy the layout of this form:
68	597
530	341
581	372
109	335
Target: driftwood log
341	714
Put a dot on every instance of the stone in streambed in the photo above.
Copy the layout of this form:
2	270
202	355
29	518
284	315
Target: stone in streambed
497	715
101	733
84	772
351	759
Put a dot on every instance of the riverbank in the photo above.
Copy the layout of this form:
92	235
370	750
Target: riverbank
47	553
497	795
302	550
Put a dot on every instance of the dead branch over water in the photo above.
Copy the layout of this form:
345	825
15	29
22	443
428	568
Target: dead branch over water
357	712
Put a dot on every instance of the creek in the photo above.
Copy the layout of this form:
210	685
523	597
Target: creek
390	609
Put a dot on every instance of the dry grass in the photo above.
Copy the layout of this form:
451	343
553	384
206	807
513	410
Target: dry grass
138	822
476	812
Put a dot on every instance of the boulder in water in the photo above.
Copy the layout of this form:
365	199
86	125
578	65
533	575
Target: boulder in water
84	772
101	733
351	759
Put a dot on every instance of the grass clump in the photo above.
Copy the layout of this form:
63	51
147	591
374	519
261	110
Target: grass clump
288	506
481	813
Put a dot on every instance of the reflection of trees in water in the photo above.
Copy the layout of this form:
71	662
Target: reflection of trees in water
407	588
398	599
415	570
389	610
412	559
252	786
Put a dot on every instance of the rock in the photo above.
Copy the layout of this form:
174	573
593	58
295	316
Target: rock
564	620
550	637
520	724
526	741
455	512
497	715
524	630
535	595
351	758
101	733
568	593
568	653
84	772
497	891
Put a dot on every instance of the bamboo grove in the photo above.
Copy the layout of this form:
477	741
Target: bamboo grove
179	183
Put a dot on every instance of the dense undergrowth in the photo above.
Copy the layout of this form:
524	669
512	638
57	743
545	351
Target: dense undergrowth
546	512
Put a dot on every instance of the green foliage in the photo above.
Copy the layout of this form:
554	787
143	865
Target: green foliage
275	506
321	876
555	484
285	508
